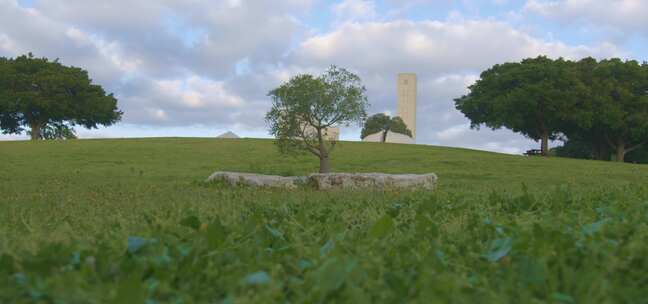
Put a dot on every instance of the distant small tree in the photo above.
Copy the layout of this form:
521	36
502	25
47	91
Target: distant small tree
383	123
49	97
306	106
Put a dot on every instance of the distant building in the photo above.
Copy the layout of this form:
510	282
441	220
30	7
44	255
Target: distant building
228	135
392	137
406	93
332	133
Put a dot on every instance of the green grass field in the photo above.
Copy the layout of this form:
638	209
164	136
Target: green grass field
132	221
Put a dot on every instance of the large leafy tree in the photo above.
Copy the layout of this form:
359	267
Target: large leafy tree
535	97
305	107
383	123
46	95
586	130
619	93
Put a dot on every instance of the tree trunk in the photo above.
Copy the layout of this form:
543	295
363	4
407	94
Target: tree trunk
600	151
325	165
35	131
596	152
604	153
384	136
545	143
620	151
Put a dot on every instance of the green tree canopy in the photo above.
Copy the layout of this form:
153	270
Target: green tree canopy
304	108
536	97
43	94
586	130
383	123
619	94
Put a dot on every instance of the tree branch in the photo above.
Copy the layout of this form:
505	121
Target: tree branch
635	147
333	121
310	147
313	150
609	142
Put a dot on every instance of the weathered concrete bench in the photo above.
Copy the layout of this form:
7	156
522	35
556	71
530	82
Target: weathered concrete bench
330	180
255	180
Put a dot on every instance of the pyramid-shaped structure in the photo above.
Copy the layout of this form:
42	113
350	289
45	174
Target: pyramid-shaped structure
228	135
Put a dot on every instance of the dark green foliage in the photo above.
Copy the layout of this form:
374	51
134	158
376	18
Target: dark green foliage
574	149
56	131
304	108
537	97
480	253
383	123
639	156
101	221
584	150
603	104
50	98
620	96
616	113
588	131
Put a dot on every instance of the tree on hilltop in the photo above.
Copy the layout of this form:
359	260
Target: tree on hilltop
47	97
536	97
587	130
619	94
305	107
383	123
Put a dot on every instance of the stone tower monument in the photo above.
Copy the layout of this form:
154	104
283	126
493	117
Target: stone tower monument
407	100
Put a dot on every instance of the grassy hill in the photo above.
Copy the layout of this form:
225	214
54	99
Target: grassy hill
129	220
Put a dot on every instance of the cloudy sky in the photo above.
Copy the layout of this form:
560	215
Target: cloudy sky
202	67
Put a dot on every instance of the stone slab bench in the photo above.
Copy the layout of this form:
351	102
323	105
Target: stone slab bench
256	180
326	181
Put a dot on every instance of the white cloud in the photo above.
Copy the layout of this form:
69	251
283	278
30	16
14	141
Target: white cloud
6	44
158	78
29	30
197	92
110	50
624	15
158	114
202	65
207	37
191	100
433	46
453	132
355	10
